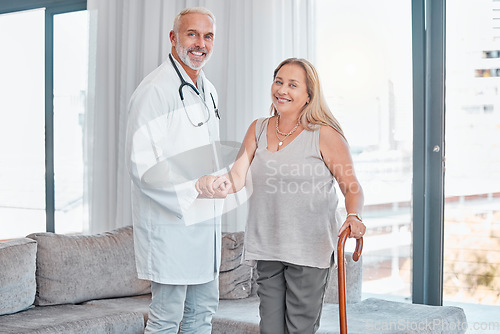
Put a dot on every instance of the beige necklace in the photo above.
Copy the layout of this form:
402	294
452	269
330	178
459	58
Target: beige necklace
284	134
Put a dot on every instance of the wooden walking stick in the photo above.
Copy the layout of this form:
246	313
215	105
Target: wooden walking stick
341	274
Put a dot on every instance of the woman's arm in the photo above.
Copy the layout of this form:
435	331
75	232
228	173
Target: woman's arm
210	185
335	152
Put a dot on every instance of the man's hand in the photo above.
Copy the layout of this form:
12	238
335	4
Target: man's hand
210	186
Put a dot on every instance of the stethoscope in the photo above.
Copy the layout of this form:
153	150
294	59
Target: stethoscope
181	95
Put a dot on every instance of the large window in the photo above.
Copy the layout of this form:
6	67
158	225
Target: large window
364	56
71	57
43	84
365	62
472	178
22	115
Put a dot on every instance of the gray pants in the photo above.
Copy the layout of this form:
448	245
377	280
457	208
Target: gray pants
291	297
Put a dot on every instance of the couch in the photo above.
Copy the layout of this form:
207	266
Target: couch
52	283
49	281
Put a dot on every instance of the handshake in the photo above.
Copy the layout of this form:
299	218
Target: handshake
211	186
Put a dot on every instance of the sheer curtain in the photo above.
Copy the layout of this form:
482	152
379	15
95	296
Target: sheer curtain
129	38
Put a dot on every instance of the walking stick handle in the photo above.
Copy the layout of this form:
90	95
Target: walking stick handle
341	274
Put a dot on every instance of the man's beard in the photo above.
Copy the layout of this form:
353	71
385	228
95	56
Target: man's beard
183	54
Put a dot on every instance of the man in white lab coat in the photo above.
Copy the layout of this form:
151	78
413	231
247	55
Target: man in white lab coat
171	142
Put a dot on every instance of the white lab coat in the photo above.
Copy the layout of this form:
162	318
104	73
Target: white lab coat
177	236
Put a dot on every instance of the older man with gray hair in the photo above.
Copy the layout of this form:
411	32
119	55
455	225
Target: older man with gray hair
171	134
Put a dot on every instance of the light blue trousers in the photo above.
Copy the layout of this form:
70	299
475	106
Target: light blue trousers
189	307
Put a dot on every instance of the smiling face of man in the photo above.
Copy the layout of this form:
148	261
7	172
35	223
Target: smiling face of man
194	40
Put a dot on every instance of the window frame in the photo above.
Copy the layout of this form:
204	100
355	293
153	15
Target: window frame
428	44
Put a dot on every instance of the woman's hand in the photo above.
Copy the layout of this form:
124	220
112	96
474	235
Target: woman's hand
358	229
210	186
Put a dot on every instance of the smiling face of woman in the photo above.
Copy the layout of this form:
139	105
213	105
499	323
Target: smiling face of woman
289	89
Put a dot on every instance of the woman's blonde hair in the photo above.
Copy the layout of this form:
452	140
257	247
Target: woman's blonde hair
316	112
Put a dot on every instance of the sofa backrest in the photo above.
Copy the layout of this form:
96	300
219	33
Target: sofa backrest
72	269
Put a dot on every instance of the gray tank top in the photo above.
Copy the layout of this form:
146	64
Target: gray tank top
292	210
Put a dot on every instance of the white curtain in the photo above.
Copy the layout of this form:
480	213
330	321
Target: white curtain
129	38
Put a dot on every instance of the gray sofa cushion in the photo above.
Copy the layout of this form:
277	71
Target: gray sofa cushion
133	304
72	319
237	316
17	275
367	316
375	315
74	269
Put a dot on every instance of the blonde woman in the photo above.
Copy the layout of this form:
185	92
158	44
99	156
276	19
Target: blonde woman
294	157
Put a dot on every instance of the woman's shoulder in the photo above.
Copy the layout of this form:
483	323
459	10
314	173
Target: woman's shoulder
261	122
259	126
328	134
263	119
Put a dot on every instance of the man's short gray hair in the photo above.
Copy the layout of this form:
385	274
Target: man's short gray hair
191	10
